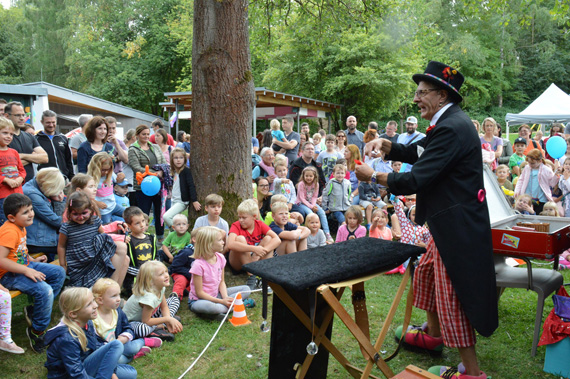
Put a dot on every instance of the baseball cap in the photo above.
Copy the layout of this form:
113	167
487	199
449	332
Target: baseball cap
412	120
124	183
520	140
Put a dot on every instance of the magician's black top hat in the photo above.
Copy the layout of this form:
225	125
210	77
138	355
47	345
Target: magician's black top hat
443	76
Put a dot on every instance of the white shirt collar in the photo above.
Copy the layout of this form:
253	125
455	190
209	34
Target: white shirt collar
436	117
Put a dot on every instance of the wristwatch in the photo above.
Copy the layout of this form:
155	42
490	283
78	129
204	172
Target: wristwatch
373	178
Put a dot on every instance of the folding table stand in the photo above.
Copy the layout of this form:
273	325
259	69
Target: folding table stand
304	307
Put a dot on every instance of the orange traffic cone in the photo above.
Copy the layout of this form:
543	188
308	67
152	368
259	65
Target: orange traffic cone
239	317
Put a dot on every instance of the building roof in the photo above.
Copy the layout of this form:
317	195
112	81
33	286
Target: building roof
264	98
67	96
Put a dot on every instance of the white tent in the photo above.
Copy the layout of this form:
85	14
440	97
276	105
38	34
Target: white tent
552	106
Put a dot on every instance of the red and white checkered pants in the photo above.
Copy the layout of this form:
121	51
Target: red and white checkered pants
433	292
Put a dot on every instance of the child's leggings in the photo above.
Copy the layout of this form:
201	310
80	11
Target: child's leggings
5	316
142	330
211	308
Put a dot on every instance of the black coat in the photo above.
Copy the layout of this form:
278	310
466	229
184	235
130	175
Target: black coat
447	176
187	188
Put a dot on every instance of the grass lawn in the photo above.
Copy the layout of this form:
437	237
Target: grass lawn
244	352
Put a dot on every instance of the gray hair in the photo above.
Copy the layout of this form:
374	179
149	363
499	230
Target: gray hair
48	113
84	119
264	151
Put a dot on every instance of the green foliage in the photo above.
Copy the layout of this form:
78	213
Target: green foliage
12	56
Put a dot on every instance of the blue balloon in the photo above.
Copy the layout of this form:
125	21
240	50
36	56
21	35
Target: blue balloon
150	185
556	147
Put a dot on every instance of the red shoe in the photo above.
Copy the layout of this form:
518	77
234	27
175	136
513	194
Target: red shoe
417	338
142	352
152	342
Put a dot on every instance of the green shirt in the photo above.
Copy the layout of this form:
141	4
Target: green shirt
176	243
515	160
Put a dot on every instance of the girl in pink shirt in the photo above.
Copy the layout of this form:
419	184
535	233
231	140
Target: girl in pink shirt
352	229
379	228
209	295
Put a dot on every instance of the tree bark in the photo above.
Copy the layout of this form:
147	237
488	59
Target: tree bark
222	102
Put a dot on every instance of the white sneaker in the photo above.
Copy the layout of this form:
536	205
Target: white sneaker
11	347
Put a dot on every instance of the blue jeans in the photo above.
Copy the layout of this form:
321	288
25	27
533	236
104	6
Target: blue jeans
320	213
339	215
2	216
115	215
103	362
43	292
356	200
130	349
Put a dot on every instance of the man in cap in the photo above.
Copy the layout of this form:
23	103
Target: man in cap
455	279
410	136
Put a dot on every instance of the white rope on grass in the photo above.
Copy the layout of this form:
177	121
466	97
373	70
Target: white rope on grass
213	337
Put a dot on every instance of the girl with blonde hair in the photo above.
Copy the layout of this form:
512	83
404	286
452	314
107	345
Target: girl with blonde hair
74	350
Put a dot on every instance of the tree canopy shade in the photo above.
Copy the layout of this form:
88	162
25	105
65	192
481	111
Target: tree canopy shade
552	106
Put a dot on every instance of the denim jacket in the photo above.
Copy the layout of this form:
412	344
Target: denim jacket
44	230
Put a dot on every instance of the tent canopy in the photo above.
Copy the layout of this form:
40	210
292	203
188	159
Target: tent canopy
552	106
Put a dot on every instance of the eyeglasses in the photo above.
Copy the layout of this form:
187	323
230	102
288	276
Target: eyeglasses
263	186
341	136
23	115
422	92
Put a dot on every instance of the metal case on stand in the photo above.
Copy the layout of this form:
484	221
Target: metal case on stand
519	243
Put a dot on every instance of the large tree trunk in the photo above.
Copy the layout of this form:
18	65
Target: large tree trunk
222	102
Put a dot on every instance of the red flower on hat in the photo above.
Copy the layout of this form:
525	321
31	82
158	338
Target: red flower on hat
447	74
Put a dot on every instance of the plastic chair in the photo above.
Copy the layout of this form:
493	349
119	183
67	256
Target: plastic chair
543	281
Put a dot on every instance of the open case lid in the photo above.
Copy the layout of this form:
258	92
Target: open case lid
499	208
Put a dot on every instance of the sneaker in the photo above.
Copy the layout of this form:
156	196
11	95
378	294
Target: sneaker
251	282
36	341
152	342
162	334
454	372
28	314
11	347
416	338
259	285
142	352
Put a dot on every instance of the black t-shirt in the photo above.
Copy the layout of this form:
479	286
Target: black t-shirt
25	143
141	248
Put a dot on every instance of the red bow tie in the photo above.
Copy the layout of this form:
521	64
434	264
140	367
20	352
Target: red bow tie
430	128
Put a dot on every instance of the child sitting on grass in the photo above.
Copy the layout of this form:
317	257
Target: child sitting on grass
176	240
352	229
250	239
293	238
269	215
214	205
74	350
150	313
19	271
141	247
112	324
180	267
209	295
379	227
316	237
